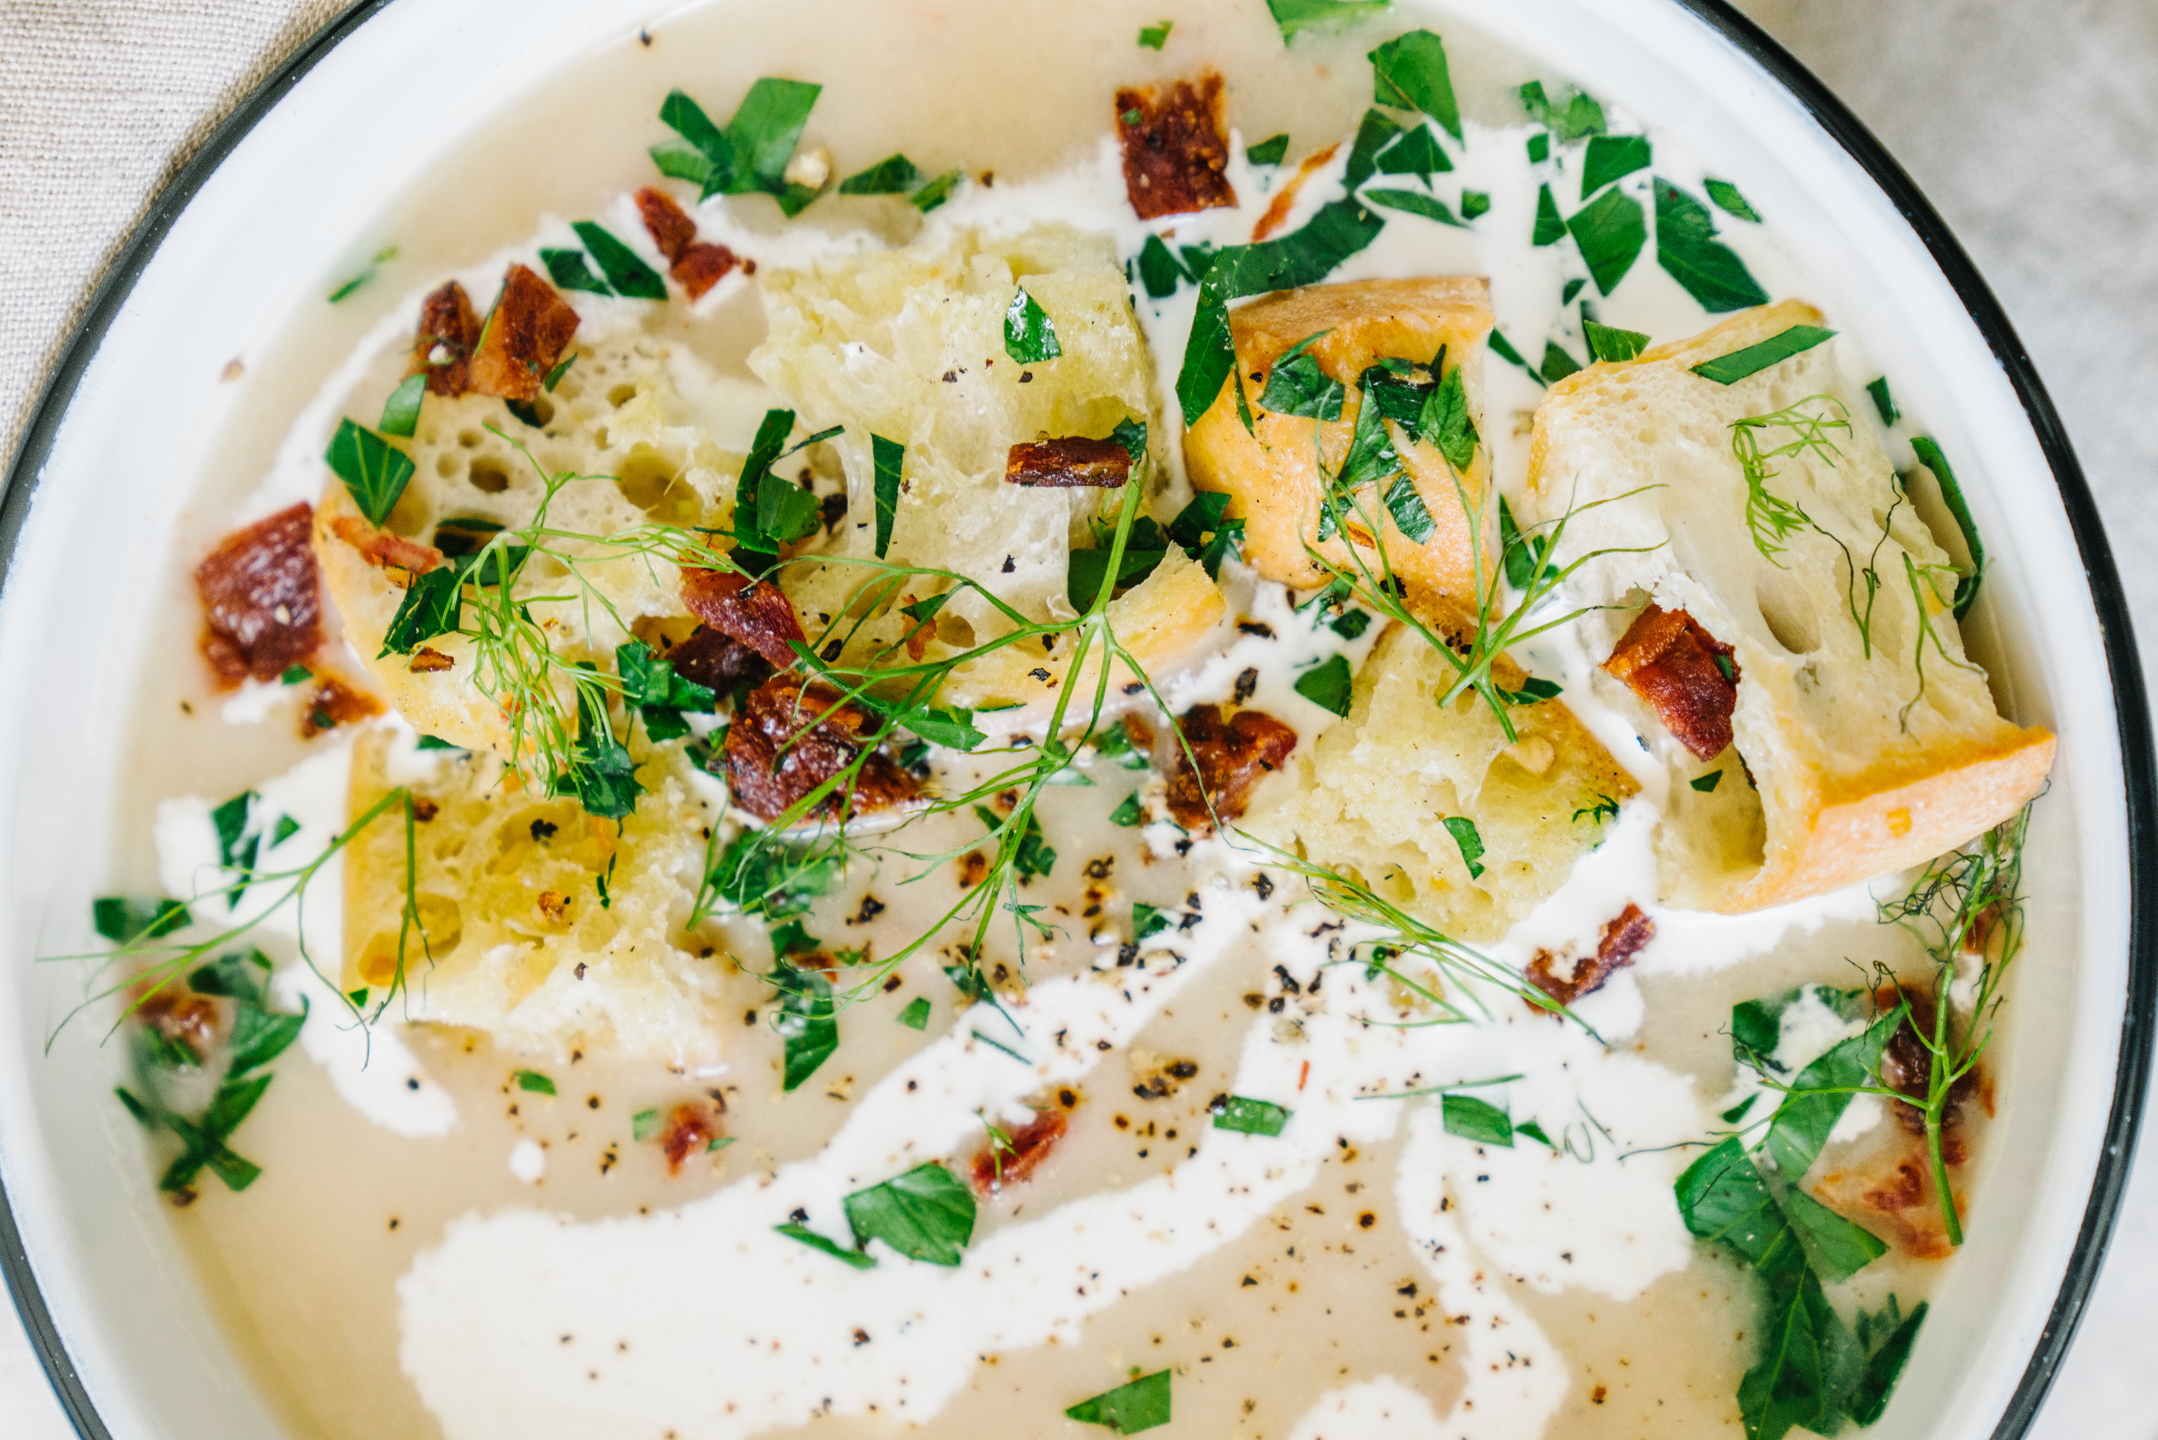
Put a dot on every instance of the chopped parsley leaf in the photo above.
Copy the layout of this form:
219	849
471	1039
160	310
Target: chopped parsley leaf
1609	157
1129	814
1445	420
1029	337
380	258
296	675
1707	782
401	412
1249	1117
1539	147
1557	363
644	1125
1930	456
1149	920
534	1082
937	191
601	774
1153	37
1205	532
1409	72
1884	404
916	1015
1687	248
1295	385
625	271
1610	231
750	156
1411	516
433	606
1270	151
1504	349
807	1024
374	471
566	268
832	1248
887	456
1612	345
1736	366
927	1214
1413	202
1296	16
893	175
1328	685
1604	809
1727	199
1550	228
1350	624
1476	1120
1143	1403
1159	270
1474	203
1470	841
1417	153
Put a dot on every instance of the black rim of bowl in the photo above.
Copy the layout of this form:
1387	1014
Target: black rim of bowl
2138	764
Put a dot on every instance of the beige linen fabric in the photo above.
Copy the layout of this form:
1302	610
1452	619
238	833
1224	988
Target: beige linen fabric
2034	128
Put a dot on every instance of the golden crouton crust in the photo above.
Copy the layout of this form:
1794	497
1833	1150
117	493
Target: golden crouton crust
1272	477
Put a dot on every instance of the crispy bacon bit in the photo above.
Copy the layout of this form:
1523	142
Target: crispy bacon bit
427	660
1234	755
667	223
382	549
1673	664
790	738
335	703
183	1018
717	661
1895	1199
1071	461
554	905
1907	1068
1176	152
1000	1165
1277	212
523	339
261	598
1622	940
447	324
759	615
696	265
689	1131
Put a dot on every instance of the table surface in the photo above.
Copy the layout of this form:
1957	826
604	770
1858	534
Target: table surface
2031	127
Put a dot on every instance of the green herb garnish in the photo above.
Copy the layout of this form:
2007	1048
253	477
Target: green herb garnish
1550	226
1153	37
374	471
627	273
1477	1120
893	175
1474	203
1930	456
1708	782
1736	366
794	1231
927	1214
1884	404
916	1015
1413	202
750	156
1128	814
534	1082
1270	151
1249	1117
1328	685
807	1023
1470	841
1610	231
1687	248
1727	199
1609	157
401	412
1029	337
1613	345
1295	385
1296	16
936	191
1144	1403
380	258
568	270
1410	72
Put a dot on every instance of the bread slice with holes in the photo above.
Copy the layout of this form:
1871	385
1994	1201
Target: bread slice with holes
1271	472
1870	740
1374	794
633	418
908	344
514	938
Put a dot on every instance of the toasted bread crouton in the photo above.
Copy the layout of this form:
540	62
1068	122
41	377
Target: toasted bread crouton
616	418
512	936
1870	741
442	347
908	345
1377	789
1272	472
523	338
1176	149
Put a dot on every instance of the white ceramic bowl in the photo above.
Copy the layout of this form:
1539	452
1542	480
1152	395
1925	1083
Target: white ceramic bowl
242	237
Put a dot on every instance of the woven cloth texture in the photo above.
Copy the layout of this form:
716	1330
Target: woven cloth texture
2034	128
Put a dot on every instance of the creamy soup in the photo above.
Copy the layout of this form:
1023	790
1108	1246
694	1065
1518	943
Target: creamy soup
1317	1114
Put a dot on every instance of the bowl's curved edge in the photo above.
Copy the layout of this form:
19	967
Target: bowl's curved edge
2131	704
17	485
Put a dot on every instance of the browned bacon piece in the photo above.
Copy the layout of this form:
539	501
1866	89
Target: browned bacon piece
1176	153
689	1131
1621	941
428	661
717	661
1071	461
790	738
523	339
1672	663
696	265
1907	1068
1000	1165
382	549
447	323
759	615
261	598
335	703
1233	755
